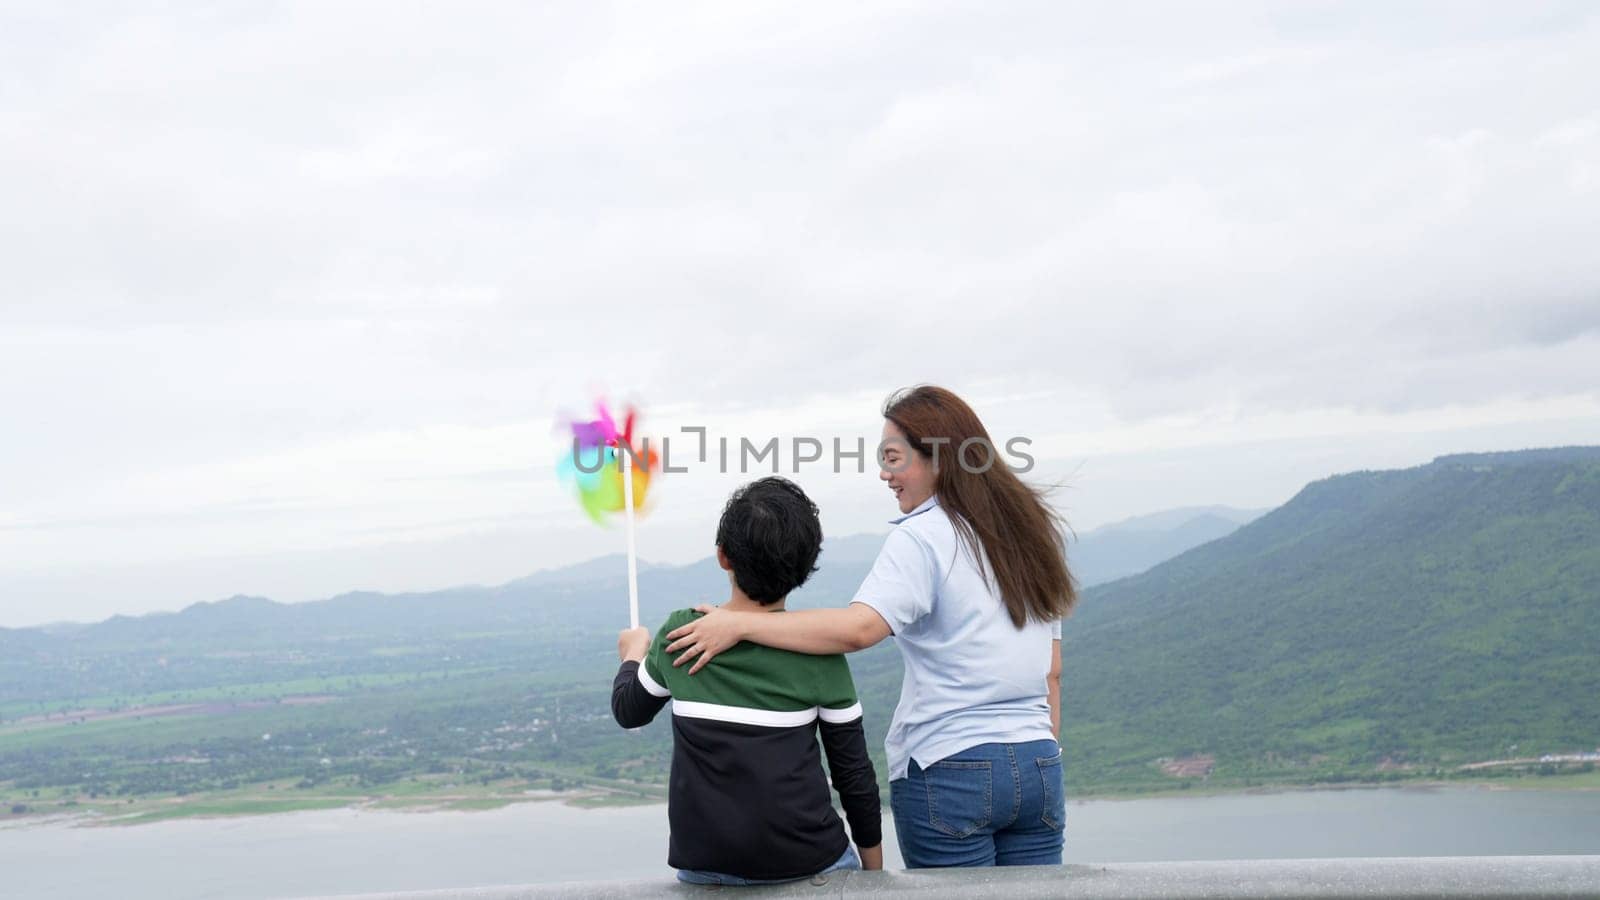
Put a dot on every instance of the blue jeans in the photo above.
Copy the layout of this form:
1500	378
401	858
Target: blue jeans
850	860
989	805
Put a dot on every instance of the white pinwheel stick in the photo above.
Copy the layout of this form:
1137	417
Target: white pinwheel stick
627	506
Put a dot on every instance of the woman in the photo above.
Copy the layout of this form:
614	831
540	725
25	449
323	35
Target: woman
973	584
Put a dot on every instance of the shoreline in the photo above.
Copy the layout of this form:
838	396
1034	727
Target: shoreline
1420	784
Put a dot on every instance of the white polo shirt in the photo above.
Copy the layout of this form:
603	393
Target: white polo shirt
971	676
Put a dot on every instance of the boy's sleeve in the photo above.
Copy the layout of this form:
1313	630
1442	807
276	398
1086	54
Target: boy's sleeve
900	585
653	672
845	742
637	693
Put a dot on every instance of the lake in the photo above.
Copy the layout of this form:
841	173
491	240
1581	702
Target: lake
348	851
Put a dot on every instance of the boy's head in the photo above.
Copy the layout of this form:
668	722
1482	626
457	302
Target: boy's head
770	537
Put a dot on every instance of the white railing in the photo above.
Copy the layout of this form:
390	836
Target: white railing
1445	878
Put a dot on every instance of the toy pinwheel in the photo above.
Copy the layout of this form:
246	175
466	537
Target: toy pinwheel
611	474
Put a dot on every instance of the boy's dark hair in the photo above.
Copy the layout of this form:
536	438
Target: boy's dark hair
771	535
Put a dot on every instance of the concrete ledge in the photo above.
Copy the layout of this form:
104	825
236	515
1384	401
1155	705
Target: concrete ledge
1446	878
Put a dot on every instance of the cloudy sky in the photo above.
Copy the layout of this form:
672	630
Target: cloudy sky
293	293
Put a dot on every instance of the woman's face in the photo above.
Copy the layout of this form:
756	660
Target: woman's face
908	473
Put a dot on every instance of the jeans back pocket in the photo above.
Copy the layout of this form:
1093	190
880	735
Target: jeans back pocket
960	795
1054	808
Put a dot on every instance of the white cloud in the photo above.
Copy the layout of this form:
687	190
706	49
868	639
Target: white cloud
294	278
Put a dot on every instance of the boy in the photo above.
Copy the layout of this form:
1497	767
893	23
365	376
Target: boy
748	801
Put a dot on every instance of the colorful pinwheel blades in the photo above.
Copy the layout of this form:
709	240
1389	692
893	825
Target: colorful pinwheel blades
589	462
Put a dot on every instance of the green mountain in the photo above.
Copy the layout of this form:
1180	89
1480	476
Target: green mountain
1410	619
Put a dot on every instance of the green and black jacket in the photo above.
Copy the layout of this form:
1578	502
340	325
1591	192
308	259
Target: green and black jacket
748	796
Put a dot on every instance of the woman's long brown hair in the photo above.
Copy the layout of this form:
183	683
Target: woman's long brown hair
994	511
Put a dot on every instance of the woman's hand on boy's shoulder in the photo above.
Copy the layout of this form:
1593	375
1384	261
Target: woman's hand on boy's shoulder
714	631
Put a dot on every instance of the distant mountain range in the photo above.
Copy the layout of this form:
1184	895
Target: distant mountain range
1391	621
1134	545
1103	554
